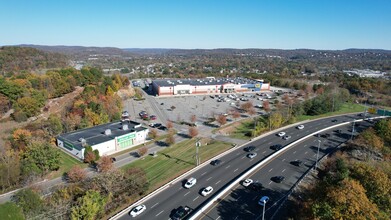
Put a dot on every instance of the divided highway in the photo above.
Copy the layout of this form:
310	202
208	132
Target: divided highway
243	203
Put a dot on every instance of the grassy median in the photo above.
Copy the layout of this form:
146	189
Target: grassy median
175	160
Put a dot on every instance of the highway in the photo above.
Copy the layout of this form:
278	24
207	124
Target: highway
162	205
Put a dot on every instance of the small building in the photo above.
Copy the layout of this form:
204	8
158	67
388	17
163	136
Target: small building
106	138
208	85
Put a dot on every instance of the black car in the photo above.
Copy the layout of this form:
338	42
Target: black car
257	187
339	131
249	148
297	162
334	120
156	125
325	135
215	162
278	179
163	128
181	213
276	147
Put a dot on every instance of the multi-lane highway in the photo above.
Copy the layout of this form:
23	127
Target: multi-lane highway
241	203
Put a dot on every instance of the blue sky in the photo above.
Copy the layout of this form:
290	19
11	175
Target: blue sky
289	24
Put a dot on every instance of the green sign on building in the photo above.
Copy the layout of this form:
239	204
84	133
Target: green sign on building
126	141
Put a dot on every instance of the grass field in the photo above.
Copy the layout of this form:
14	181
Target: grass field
346	108
175	160
243	129
66	163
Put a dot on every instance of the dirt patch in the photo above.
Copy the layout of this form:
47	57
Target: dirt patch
230	128
126	93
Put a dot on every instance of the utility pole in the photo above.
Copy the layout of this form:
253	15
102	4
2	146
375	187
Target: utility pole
197	157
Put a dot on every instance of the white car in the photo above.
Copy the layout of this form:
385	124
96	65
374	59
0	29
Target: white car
247	182
263	200
251	155
281	134
207	191
300	127
190	183
137	210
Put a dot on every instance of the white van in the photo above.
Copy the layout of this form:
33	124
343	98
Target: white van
190	182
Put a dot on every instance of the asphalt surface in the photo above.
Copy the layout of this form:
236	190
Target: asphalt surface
162	205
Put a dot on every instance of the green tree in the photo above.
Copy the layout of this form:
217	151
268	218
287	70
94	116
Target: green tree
89	206
30	202
28	105
53	125
275	120
10	211
40	157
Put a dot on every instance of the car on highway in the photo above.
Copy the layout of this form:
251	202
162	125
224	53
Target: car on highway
247	182
180	213
263	200
137	210
276	147
300	127
278	179
206	191
251	155
249	148
297	162
215	162
190	182
326	135
334	120
286	137
281	134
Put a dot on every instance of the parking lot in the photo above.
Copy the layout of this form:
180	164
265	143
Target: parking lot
181	108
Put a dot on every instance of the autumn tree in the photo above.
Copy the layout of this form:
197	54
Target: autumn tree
105	164
20	138
76	174
235	114
142	151
222	120
89	206
193	132
247	106
275	120
266	106
136	181
153	134
170	140
169	125
9	168
30	202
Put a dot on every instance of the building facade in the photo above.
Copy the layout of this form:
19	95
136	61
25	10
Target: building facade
107	138
209	85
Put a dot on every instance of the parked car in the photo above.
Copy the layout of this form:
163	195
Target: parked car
251	155
263	200
153	117
163	128
249	148
208	190
137	210
247	182
190	182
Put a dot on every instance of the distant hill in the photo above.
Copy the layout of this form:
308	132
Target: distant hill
15	59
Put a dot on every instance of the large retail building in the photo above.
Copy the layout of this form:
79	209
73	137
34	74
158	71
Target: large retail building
170	87
107	138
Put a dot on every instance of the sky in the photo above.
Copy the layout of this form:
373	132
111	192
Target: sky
198	24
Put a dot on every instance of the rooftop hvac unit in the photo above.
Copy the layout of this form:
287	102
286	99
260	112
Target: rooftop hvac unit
83	141
107	132
125	127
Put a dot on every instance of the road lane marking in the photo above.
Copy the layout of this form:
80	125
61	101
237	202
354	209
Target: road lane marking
257	150
243	157
283	170
297	135
306	152
270	170
305	145
283	159
294	152
270	182
209	178
154	205
236	169
255	198
203	174
186	193
227	166
270	143
217	182
264	152
196	198
159	213
218	218
314	155
238	153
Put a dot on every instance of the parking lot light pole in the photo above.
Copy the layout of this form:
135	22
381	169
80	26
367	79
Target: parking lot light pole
263	212
317	156
198	144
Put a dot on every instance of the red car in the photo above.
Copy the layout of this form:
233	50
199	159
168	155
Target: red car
153	117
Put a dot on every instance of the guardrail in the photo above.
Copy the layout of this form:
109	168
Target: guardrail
266	160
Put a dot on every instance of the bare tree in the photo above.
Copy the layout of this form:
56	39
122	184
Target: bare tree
235	115
170	140
169	125
193	118
76	174
193	132
142	151
153	134
222	120
266	106
246	106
